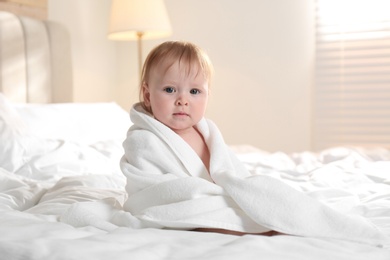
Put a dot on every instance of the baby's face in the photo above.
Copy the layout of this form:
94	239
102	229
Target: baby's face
178	97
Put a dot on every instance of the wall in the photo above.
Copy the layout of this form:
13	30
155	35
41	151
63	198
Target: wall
94	57
262	50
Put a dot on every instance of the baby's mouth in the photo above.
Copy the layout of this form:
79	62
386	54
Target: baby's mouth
180	114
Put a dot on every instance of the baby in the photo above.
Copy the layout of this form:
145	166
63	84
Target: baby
173	98
175	90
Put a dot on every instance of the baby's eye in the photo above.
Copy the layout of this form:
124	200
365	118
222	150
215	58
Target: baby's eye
169	90
194	91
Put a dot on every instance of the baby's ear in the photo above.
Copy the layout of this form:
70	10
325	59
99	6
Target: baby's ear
146	94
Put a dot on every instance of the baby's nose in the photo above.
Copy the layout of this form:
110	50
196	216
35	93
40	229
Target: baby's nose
181	101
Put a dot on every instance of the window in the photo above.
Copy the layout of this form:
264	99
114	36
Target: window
352	80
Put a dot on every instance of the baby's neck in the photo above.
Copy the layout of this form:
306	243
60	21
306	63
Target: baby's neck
195	139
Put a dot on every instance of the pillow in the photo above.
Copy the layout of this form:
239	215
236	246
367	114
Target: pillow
14	138
83	123
28	130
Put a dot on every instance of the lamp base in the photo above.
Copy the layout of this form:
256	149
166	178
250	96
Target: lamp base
139	41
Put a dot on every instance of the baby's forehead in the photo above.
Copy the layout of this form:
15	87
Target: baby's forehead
184	67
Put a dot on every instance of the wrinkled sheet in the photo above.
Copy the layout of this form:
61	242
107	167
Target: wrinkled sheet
33	201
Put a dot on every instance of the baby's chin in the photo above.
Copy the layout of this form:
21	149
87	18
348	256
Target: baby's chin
180	128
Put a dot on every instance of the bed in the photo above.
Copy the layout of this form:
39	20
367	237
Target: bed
55	154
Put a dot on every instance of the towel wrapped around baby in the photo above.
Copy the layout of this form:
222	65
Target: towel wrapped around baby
169	187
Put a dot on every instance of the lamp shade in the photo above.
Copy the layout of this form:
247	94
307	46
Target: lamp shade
129	18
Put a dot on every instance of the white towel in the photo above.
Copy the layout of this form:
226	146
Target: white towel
169	186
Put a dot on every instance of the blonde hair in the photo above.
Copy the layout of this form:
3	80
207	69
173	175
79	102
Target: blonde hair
166	54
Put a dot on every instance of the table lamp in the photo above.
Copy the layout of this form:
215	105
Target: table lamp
138	20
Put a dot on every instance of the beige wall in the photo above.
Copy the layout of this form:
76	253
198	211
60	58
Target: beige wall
262	51
94	64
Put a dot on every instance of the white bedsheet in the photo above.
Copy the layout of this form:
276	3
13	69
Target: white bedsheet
31	206
45	169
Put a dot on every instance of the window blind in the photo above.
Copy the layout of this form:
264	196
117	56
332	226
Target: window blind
352	75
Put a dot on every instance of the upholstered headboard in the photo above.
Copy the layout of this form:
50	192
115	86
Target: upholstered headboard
35	60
